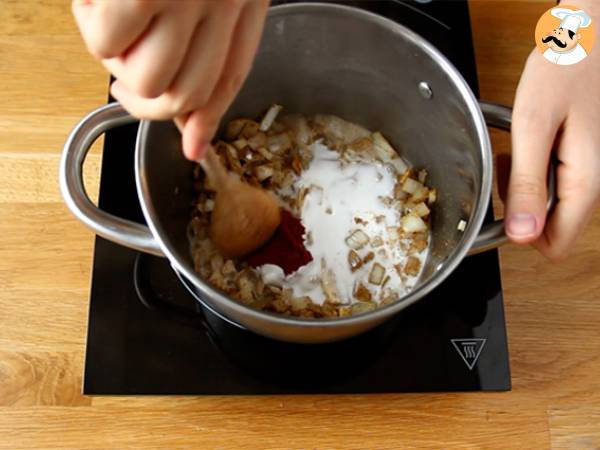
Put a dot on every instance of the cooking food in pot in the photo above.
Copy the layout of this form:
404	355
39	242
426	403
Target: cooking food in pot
354	229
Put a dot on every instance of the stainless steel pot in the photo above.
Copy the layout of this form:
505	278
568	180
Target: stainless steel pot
320	58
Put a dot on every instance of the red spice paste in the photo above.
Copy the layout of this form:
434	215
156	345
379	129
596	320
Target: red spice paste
285	248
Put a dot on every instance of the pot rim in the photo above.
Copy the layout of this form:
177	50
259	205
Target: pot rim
443	270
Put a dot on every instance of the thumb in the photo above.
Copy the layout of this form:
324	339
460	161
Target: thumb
197	133
532	139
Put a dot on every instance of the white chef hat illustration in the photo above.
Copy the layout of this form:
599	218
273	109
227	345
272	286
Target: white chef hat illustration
571	20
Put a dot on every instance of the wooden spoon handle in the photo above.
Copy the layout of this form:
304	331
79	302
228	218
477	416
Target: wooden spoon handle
214	169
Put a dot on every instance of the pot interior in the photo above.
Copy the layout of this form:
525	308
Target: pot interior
364	69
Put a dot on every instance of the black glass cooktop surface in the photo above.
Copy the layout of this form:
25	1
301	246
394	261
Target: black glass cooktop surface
147	335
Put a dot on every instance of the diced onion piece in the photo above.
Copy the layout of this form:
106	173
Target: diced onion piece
298	127
432	197
377	274
246	288
361	293
421	209
240	143
250	129
377	242
362	307
383	149
263	172
262	151
422	176
279	143
329	287
412	266
257	141
411	223
270	117
392	233
421	195
357	240
363	144
386	280
461	225
234	128
411	186
228	268
354	260
288	179
299	303
399	164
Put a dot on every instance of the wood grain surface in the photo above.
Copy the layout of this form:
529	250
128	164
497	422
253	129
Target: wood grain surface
48	82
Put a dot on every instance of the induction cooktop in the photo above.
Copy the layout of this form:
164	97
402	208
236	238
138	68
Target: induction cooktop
148	335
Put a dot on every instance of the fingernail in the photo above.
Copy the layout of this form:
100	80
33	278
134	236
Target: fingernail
522	224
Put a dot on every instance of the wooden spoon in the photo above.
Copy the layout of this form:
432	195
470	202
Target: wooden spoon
244	217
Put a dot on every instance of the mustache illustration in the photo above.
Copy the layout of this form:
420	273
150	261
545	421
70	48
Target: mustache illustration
556	41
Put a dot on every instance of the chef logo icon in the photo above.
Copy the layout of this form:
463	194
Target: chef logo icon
564	35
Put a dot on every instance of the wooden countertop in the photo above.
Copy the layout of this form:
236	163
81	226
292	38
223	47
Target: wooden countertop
48	82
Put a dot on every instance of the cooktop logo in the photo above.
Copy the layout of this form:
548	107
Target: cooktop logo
565	35
469	349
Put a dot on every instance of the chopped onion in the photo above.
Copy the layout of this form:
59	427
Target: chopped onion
377	274
263	172
392	233
250	129
354	260
420	195
257	141
362	293
357	240
363	144
421	209
411	186
279	143
270	117
262	151
234	128
383	149
462	225
240	143
432	197
399	164
411	223
362	307
228	268
377	242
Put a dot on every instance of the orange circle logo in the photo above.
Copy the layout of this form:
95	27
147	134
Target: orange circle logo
565	35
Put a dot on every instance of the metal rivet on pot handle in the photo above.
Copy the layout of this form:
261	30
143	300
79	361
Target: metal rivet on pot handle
124	232
493	235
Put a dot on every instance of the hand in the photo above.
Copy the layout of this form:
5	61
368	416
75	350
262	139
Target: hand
556	108
182	60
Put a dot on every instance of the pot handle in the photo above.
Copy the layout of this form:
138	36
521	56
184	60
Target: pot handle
124	232
493	235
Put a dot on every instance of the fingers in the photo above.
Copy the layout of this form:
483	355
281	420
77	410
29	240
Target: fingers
533	130
578	192
201	125
150	66
110	27
206	57
197	76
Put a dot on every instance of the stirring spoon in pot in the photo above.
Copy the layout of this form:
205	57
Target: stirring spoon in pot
244	217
